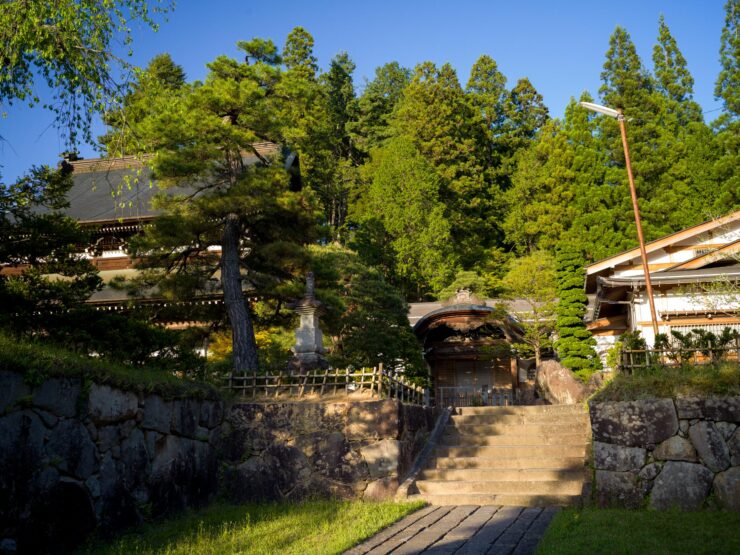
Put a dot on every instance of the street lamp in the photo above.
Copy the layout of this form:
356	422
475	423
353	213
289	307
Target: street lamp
611	112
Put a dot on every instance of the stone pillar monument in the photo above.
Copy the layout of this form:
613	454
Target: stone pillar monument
309	347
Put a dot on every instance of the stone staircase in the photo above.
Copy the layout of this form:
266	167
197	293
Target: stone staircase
518	455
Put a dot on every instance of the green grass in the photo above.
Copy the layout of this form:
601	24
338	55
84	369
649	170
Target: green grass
320	527
37	361
664	382
618	531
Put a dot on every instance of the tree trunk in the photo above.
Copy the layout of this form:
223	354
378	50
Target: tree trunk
242	333
537	357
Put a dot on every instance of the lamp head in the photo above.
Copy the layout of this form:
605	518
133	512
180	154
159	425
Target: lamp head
611	112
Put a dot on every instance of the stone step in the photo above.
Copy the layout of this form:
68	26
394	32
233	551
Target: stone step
464	440
564	472
523	410
517	429
518	419
516	500
498	487
508	463
490	451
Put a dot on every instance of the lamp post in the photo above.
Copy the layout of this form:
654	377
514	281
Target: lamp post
611	112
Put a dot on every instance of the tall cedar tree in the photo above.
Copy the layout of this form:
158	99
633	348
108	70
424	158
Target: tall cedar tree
575	344
162	77
727	167
375	105
437	118
250	211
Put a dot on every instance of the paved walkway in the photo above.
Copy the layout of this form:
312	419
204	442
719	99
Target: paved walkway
465	529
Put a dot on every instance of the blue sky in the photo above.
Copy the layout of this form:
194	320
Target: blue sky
559	45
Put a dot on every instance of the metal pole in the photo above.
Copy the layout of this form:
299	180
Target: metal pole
633	192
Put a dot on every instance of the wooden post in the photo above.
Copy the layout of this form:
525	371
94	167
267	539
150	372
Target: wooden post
323	382
380	380
346	381
254	384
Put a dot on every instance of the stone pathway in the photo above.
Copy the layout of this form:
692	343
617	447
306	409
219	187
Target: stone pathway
464	529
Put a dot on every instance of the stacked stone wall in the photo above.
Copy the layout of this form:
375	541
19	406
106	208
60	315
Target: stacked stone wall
353	449
77	456
666	453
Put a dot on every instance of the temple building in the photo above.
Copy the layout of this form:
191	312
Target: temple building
695	274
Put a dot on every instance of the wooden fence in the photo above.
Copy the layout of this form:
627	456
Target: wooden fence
382	384
636	359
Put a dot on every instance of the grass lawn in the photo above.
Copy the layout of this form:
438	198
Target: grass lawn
303	528
671	382
618	531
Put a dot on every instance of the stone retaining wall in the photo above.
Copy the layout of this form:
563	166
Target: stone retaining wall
75	456
667	453
353	449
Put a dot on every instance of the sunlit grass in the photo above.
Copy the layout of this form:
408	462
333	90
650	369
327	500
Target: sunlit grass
316	527
681	381
619	531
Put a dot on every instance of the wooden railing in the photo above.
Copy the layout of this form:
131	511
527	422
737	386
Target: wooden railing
380	383
470	396
636	359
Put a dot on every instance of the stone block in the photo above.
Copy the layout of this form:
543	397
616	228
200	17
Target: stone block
381	490
726	429
675	448
211	413
558	385
618	489
185	416
726	489
12	388
58	396
649	472
374	420
681	485
109	405
634	423
157	414
617	457
725	409
382	458
72	450
734	445
710	445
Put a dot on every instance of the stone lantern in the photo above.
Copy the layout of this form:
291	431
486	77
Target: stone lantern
309	348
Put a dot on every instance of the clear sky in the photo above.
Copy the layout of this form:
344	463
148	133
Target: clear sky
560	45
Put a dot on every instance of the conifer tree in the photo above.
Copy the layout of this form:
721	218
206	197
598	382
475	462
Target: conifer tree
436	116
376	104
672	77
575	344
253	212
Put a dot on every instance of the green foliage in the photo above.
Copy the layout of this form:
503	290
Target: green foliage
365	316
614	356
469	280
154	87
684	380
531	279
38	241
728	82
39	361
575	345
403	204
314	527
68	45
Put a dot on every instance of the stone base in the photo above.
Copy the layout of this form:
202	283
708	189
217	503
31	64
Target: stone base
303	363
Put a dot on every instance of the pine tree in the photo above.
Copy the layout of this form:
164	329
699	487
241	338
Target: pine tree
575	344
253	212
298	53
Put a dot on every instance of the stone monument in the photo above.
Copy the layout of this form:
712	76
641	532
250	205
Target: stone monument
309	341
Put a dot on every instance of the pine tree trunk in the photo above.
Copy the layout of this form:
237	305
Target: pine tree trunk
242	332
537	357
